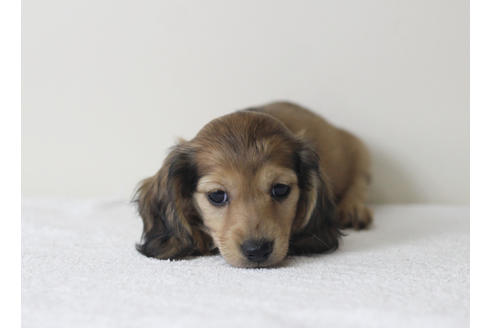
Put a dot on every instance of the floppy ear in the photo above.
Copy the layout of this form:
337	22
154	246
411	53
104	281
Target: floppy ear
315	228
171	222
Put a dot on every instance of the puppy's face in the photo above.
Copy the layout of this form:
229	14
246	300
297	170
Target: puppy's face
249	211
247	193
244	184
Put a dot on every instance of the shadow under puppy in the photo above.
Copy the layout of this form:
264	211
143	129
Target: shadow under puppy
257	184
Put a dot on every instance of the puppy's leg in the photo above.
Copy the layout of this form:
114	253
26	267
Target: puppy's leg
351	209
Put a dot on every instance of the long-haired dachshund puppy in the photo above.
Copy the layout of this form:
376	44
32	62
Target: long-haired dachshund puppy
257	184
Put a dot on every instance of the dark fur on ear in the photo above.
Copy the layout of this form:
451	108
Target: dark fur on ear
315	229
172	225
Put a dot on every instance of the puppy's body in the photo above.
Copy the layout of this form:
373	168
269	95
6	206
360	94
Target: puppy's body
256	184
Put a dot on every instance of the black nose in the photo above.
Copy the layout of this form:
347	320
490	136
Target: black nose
257	250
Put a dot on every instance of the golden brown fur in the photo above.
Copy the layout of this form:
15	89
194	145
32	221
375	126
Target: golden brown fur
244	156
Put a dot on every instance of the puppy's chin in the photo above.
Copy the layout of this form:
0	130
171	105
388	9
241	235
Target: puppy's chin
239	261
243	263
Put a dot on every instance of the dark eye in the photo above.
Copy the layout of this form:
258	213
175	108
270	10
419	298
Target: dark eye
218	198
280	190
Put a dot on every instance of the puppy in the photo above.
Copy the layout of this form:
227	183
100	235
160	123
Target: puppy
256	184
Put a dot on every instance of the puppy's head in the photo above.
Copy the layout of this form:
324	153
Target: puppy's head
246	185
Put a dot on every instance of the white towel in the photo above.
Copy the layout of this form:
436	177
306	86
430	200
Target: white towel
80	269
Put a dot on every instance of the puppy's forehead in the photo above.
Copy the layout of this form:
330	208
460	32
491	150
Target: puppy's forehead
244	140
247	180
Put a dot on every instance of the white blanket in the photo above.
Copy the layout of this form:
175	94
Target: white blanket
80	269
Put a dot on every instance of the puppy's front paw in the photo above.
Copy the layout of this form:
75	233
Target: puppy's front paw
354	215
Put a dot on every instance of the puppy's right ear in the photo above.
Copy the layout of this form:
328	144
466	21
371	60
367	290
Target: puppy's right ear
315	229
171	224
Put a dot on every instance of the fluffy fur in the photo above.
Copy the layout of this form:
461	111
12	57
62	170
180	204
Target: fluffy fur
244	154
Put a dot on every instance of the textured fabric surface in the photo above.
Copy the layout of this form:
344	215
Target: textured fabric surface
80	269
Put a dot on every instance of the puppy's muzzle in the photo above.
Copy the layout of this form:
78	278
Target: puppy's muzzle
257	250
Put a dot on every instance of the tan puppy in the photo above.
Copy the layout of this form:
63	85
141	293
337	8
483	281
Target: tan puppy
257	184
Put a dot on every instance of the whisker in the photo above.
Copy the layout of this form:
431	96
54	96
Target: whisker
320	240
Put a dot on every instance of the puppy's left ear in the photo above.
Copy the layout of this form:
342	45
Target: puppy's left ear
315	228
172	225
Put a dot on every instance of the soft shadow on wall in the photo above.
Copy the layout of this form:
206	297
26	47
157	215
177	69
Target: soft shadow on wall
391	182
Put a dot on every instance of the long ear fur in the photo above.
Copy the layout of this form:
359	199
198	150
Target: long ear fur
172	225
315	229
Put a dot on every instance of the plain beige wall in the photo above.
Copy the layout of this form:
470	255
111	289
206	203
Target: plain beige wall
108	85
